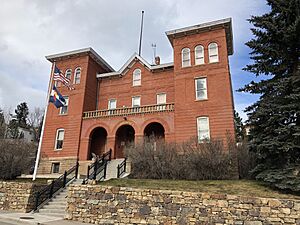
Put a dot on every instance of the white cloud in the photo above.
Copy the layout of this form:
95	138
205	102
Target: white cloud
32	29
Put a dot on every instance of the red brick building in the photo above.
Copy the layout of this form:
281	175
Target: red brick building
190	97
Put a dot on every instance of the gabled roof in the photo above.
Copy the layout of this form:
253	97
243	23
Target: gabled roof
80	52
224	23
130	62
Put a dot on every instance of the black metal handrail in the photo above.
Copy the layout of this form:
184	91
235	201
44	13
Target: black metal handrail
97	170
61	182
121	168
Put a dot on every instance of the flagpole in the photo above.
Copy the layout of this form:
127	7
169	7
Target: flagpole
38	154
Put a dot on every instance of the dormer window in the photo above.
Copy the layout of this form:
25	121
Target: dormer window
77	76
213	52
186	57
199	55
137	77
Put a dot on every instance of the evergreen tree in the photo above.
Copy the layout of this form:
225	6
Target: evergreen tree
275	117
240	132
2	124
22	112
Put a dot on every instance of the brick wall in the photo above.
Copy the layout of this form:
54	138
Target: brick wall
119	205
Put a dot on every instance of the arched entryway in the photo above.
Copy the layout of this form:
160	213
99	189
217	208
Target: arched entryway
124	137
98	140
154	130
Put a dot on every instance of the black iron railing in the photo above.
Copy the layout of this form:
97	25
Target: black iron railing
121	168
97	170
61	182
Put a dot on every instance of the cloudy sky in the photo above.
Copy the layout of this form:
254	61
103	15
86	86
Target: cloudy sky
32	29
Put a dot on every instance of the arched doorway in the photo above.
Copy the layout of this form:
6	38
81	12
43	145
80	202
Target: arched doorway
98	141
154	130
124	136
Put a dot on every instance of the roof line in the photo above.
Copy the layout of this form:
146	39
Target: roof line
89	50
128	63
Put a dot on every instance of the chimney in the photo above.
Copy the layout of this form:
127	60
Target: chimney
157	60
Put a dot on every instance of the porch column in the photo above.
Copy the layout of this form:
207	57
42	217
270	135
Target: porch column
110	144
138	138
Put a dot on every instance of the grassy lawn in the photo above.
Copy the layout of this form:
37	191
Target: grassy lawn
234	187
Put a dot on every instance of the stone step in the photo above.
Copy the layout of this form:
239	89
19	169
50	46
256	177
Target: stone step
52	211
58	201
55	206
57	215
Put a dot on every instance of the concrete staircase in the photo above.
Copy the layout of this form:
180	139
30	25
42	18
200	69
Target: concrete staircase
57	205
112	168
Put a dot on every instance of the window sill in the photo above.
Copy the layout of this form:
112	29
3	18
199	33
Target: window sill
136	85
58	150
213	62
200	100
65	114
184	67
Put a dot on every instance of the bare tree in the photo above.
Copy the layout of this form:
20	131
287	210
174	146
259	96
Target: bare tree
35	120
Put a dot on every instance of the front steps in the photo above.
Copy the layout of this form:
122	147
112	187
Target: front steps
112	168
57	205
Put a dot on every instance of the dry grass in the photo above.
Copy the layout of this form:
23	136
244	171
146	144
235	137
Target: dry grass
234	187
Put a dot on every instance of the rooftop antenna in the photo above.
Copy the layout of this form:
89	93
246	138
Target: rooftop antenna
140	46
154	51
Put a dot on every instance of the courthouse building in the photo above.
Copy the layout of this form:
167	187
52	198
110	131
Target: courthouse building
189	97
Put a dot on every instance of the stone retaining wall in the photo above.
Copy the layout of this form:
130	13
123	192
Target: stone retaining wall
113	205
18	196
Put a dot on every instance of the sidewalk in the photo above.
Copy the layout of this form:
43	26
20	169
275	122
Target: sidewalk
31	218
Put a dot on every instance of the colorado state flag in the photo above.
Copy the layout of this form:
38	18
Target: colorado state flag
56	98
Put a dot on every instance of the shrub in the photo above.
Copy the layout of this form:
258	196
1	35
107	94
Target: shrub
156	159
16	157
246	160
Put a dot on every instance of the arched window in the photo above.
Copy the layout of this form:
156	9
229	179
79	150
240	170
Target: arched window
186	57
77	76
68	74
199	55
213	52
137	77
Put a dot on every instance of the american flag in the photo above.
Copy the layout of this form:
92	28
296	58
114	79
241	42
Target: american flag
59	76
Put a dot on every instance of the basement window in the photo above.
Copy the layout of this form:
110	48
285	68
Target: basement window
55	167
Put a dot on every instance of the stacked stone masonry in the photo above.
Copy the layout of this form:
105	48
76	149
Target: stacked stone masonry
18	196
119	205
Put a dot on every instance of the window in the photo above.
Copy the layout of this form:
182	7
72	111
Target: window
55	168
161	100
68	74
199	55
137	77
213	52
186	57
112	104
203	129
59	139
77	76
64	109
136	101
201	88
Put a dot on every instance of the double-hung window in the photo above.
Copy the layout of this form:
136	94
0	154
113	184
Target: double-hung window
199	55
59	141
186	57
64	109
77	76
112	104
213	52
137	77
201	88
161	100
203	129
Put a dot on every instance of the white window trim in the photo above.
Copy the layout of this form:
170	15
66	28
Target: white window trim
199	46
60	109
56	136
198	126
70	73
198	78
134	80
109	100
137	96
74	81
188	59
209	53
162	93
